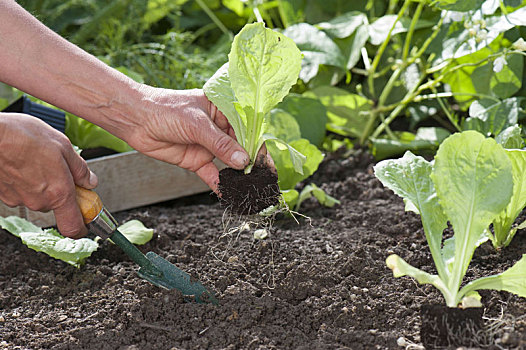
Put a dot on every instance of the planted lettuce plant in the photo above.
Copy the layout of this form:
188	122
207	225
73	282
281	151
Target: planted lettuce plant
469	184
71	251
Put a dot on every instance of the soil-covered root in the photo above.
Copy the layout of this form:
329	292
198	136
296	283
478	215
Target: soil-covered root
248	194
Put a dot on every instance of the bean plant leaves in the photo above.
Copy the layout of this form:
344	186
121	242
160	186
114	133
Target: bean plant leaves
348	113
510	138
317	48
491	117
473	181
310	114
282	125
379	29
344	25
409	178
458	5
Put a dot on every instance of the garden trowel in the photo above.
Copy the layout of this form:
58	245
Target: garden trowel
153	268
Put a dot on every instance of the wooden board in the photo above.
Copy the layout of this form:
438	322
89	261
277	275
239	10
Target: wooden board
129	180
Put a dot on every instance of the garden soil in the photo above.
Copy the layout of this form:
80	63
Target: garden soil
321	283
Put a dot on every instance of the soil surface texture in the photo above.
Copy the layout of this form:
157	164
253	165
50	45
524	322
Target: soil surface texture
317	284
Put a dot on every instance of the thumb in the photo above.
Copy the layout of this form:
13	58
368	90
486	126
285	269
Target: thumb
79	170
225	148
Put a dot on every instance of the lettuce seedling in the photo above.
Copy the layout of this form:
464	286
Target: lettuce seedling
263	65
71	251
503	230
469	184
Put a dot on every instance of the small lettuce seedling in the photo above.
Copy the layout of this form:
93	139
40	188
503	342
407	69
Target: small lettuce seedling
71	251
263	65
469	184
503	230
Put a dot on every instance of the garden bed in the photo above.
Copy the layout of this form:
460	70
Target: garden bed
322	285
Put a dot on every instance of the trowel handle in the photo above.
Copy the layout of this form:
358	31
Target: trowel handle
89	203
96	217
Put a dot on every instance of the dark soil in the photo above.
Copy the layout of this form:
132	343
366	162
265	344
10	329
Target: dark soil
319	284
248	194
445	326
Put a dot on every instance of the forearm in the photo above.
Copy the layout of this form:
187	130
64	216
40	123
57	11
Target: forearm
38	61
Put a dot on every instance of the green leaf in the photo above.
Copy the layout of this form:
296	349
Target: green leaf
218	90
282	125
512	280
72	251
491	117
473	180
85	135
322	197
510	138
379	29
504	221
16	225
348	113
343	26
288	177
290	197
351	46
508	80
263	66
49	241
457	5
401	268
310	114
297	158
317	48
409	178
136	232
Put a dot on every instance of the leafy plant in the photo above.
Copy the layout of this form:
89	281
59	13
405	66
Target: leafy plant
469	184
71	251
503	230
263	66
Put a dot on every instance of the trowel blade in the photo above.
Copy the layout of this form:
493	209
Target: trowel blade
175	278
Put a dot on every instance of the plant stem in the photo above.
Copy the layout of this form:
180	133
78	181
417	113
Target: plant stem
382	48
214	18
446	111
409	36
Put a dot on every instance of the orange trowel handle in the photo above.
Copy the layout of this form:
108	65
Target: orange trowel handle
89	203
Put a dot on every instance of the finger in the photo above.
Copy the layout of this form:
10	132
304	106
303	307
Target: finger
69	218
79	169
224	147
218	117
210	175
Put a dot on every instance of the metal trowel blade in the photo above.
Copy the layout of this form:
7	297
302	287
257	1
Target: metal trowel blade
174	278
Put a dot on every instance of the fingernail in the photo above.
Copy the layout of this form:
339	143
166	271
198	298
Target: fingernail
93	180
239	159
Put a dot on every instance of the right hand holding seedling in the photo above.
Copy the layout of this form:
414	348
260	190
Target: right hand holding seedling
40	169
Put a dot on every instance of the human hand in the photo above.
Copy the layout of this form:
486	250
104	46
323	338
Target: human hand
39	169
183	128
